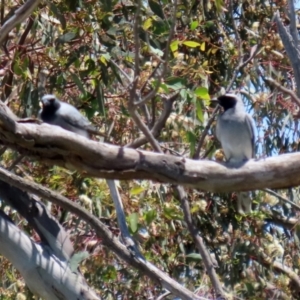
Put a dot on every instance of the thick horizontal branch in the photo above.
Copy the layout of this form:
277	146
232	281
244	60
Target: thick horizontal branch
54	145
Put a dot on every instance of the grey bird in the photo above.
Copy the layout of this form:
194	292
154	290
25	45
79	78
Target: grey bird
62	114
235	131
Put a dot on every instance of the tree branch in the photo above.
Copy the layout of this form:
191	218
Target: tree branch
291	50
55	145
19	16
37	215
44	274
293	96
259	255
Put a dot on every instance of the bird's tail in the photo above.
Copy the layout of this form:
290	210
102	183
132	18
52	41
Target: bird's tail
244	202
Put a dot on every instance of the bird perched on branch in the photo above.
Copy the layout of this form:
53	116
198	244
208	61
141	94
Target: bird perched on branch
235	131
62	114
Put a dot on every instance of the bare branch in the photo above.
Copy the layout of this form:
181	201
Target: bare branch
205	132
282	198
54	145
291	50
293	96
45	275
199	243
136	32
242	64
146	131
37	215
293	23
159	124
237	35
19	16
262	258
123	73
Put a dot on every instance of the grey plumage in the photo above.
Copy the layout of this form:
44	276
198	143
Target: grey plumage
62	114
235	131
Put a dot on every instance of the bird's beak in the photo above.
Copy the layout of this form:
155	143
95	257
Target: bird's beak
41	105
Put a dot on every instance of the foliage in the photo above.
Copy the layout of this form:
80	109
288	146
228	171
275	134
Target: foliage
81	46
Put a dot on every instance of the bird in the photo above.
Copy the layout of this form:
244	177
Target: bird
235	130
65	115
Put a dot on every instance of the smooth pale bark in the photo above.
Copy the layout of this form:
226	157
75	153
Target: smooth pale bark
55	145
19	16
50	231
43	272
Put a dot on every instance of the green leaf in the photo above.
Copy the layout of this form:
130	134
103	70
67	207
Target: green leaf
67	37
107	5
77	258
219	5
149	216
156	7
199	109
175	83
78	82
133	222
100	98
17	69
109	274
147	24
174	46
192	139
58	15
194	25
194	256
137	190
202	93
191	44
164	87
172	213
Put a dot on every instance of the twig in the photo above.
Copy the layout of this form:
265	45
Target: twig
136	31
284	90
161	297
282	198
261	257
292	51
160	123
15	162
205	132
122	71
150	76
145	111
199	243
237	35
